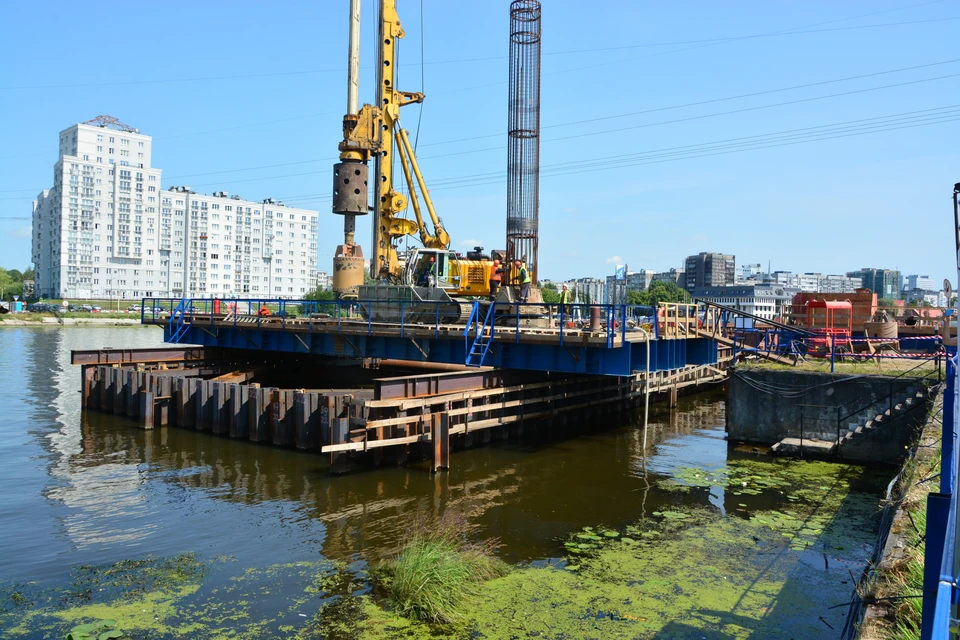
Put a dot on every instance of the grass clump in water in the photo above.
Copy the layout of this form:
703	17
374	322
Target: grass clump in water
439	568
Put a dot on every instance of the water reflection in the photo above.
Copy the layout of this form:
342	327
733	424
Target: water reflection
528	493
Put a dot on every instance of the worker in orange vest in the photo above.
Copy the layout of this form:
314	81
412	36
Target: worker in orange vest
263	312
496	277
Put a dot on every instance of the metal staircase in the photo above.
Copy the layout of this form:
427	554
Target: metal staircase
177	323
483	334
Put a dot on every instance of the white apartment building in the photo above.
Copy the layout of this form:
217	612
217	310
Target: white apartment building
106	230
96	232
237	248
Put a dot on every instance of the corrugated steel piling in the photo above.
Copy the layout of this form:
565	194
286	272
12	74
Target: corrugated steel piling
425	415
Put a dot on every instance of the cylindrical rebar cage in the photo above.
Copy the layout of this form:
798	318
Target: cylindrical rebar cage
523	126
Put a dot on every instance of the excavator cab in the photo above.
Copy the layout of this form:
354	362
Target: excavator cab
432	268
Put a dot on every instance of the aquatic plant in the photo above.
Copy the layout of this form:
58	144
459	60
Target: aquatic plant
99	630
438	568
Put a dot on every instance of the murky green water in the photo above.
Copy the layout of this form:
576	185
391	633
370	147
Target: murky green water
179	534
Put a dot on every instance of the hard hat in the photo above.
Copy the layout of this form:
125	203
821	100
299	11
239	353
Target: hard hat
516	262
564	286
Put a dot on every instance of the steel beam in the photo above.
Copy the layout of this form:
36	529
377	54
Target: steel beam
129	356
429	384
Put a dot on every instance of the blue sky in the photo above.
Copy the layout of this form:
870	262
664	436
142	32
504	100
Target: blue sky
247	97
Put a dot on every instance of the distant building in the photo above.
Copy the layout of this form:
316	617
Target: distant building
925	283
886	283
106	230
840	284
748	272
323	280
764	300
676	276
589	290
617	290
709	270
922	297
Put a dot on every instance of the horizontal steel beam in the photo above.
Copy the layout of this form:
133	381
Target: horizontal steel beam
429	384
131	356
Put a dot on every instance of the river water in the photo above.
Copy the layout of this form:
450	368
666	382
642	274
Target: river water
162	530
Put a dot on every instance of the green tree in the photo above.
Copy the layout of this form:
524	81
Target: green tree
549	293
885	302
321	295
658	292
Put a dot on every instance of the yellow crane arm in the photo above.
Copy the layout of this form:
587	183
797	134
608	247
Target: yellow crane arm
439	239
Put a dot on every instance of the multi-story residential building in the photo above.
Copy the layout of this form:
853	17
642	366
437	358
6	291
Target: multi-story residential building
96	233
105	229
925	283
709	270
634	281
589	290
323	280
839	284
674	275
886	283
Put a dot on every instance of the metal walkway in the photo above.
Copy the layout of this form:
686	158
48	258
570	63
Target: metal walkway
529	336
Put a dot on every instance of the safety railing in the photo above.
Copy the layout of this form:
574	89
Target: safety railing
832	346
615	324
941	559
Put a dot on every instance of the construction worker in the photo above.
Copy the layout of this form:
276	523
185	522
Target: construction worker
523	275
428	277
496	277
564	300
264	311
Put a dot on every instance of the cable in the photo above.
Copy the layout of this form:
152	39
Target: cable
712	100
703	151
703	42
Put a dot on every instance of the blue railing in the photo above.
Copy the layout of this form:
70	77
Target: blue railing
941	560
615	321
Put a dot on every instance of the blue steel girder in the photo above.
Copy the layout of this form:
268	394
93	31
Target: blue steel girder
568	358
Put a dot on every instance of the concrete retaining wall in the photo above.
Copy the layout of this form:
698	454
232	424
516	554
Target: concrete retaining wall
766	406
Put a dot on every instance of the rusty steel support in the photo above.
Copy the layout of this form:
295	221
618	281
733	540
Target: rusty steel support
436	383
131	356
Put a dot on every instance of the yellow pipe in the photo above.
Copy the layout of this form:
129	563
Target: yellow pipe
443	239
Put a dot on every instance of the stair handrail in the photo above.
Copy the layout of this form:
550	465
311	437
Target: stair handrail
176	324
890	394
488	323
474	312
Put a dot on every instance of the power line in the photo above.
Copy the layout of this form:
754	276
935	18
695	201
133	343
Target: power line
702	41
712	100
788	137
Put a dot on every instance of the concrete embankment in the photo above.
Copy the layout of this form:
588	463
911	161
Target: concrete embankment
870	418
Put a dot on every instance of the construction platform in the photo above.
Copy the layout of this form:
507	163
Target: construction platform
531	337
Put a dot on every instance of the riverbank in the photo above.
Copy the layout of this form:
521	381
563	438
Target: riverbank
53	321
899	573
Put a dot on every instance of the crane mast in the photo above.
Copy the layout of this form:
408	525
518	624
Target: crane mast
374	132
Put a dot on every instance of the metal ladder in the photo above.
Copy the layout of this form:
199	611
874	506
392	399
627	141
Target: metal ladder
177	324
476	351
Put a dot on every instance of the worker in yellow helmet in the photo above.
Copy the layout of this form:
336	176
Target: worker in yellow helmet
523	275
564	300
